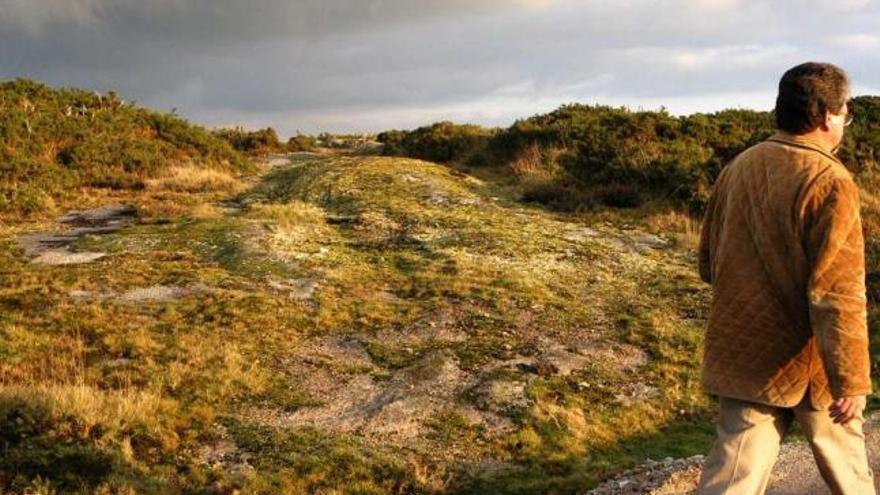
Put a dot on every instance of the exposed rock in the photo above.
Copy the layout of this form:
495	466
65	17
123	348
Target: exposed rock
580	234
105	216
649	241
53	248
339	352
161	293
666	477
502	396
225	455
394	409
57	257
549	358
277	161
437	199
633	393
154	293
37	244
297	288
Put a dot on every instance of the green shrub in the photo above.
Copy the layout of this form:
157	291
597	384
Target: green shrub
54	142
302	142
441	142
618	157
259	142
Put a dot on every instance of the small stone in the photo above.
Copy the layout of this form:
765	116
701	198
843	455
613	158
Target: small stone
299	288
158	293
64	257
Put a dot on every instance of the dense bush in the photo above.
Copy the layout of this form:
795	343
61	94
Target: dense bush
257	142
617	157
441	142
302	142
54	142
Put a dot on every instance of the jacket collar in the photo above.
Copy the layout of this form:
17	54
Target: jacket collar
801	142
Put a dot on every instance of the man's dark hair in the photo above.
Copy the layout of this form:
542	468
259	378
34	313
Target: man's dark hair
806	91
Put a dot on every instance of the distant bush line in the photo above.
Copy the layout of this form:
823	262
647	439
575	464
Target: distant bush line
264	141
581	156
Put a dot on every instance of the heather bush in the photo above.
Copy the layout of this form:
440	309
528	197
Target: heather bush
259	142
618	157
55	143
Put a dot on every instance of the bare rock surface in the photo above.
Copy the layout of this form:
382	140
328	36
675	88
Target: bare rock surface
161	293
106	216
296	288
54	248
153	293
57	257
622	239
288	159
392	409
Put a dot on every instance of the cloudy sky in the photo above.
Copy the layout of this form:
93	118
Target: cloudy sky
369	65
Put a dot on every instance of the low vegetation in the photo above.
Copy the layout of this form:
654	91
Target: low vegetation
61	146
582	156
492	315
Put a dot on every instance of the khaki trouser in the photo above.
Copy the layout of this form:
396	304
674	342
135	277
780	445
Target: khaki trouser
747	445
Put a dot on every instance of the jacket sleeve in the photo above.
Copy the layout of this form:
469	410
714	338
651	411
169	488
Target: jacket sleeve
836	285
704	251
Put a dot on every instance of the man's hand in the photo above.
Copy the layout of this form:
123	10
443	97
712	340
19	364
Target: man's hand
847	408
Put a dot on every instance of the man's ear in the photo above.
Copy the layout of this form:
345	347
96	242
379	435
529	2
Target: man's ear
826	122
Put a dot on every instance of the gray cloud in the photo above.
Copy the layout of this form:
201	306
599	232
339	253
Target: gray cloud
350	65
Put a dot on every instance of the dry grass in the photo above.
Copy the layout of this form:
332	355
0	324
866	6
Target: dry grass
528	162
192	179
113	411
536	163
683	228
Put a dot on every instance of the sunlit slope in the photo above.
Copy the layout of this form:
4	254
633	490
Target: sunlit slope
360	324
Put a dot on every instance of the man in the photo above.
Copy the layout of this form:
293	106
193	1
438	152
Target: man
787	339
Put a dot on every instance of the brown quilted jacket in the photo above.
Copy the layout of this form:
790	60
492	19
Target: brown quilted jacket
782	246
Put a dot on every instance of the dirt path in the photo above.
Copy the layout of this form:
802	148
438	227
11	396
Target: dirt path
795	472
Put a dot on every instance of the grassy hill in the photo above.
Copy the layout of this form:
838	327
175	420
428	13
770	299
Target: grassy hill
63	146
359	325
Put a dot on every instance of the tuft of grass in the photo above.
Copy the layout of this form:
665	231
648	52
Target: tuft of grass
192	179
682	227
78	438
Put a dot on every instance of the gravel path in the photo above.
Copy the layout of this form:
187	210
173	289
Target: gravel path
795	472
